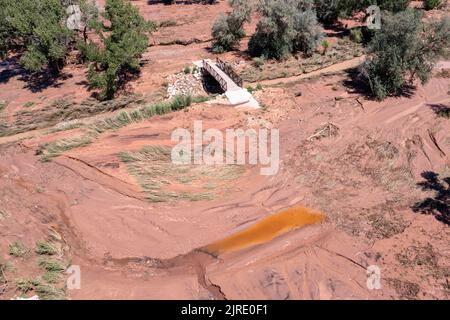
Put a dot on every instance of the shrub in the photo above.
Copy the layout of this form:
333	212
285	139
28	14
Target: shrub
45	248
228	30
258	62
356	35
308	32
328	10
285	27
275	33
17	249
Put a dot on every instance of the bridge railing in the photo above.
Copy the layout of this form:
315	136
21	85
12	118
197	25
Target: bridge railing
225	67
211	71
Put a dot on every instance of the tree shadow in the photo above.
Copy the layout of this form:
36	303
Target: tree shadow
440	110
35	82
39	81
10	68
356	82
439	205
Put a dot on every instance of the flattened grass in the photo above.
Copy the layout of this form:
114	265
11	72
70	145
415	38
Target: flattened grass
164	181
53	149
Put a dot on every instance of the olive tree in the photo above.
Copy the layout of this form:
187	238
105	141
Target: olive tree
404	50
285	27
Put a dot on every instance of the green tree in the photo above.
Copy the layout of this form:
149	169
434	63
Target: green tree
285	27
37	30
391	5
404	50
123	35
432	4
328	11
228	30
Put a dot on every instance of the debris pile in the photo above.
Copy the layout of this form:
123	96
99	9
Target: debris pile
328	130
187	82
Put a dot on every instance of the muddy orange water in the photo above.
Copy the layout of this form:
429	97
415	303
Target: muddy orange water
266	230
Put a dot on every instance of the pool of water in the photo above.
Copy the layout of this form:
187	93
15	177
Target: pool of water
266	230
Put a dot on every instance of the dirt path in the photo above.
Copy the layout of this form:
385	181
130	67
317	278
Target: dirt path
348	64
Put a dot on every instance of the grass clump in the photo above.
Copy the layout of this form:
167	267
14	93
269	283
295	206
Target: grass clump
52	277
53	149
48	292
3	105
17	249
51	265
258	87
25	285
258	62
44	291
45	248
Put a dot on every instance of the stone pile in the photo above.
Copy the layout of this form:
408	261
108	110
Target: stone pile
185	84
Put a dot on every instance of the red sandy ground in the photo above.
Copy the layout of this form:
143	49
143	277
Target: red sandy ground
128	248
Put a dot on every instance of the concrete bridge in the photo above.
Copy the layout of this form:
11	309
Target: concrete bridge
229	81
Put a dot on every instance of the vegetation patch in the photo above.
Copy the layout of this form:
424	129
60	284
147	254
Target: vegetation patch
45	248
3	105
17	249
406	289
53	149
164	181
261	70
61	111
25	285
49	292
51	265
